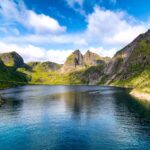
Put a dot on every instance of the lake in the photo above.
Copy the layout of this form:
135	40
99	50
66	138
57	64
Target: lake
73	118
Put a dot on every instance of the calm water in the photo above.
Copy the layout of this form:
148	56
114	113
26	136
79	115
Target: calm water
73	118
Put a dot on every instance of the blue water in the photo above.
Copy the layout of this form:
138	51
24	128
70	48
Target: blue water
73	118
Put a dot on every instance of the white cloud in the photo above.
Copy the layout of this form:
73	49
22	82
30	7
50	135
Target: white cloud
107	31
75	40
103	52
33	53
113	28
40	23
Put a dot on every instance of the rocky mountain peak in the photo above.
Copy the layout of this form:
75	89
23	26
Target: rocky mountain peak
75	59
135	56
12	59
92	59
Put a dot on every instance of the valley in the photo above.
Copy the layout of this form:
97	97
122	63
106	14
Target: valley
130	67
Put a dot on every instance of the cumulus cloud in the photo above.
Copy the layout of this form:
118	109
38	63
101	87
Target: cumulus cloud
75	40
115	28
33	53
107	31
40	23
103	52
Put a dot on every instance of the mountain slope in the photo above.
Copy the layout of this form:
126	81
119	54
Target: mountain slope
131	66
9	76
12	59
44	66
92	59
133	57
131	60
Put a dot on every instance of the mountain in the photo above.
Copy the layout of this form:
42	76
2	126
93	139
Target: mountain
44	66
73	62
129	67
92	59
9	76
77	61
12	59
132	57
131	60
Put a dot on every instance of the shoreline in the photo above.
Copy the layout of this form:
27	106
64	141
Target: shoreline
135	93
140	95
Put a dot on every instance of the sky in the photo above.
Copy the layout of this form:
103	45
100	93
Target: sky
49	30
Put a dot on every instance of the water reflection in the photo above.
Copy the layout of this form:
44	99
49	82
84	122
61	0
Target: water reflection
73	117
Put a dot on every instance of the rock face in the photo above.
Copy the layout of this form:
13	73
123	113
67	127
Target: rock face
77	61
131	59
90	68
74	61
92	59
12	59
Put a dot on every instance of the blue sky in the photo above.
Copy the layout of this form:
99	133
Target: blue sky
44	30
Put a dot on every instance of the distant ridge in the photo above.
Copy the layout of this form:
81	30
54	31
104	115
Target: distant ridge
130	67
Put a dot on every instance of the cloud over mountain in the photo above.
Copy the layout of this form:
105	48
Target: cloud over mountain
37	33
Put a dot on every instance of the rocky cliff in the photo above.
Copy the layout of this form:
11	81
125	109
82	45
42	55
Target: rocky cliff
131	60
129	67
73	62
77	61
92	59
12	59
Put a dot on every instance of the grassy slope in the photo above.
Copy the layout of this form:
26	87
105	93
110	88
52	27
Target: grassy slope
40	76
10	77
140	78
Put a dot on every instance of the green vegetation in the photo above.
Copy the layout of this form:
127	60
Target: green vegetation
10	77
70	59
140	81
130	67
11	59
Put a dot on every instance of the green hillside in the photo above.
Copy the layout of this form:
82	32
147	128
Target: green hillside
9	76
130	67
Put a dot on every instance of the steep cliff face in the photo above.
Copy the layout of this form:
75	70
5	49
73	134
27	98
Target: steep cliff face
75	59
73	62
129	67
131	60
12	59
92	59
